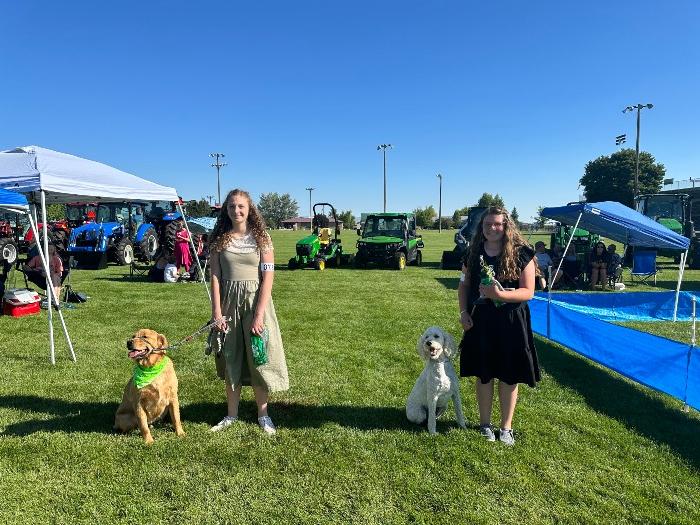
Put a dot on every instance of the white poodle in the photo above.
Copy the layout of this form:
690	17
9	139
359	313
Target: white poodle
438	383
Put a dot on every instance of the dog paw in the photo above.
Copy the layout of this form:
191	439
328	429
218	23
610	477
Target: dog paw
180	433
148	441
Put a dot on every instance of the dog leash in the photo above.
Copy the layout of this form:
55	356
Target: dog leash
152	350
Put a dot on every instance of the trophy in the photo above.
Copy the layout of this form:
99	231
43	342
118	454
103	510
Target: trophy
488	276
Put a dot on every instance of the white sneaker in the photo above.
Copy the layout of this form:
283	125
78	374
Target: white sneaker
224	423
266	424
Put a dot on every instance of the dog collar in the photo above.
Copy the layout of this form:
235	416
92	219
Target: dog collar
145	375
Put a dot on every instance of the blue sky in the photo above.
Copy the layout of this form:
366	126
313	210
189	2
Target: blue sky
510	97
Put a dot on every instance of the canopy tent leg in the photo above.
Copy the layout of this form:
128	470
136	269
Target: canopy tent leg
681	271
49	290
49	284
194	249
571	238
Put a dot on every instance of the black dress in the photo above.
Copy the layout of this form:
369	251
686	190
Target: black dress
500	344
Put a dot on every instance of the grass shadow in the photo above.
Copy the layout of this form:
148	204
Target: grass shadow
451	283
617	398
301	416
69	416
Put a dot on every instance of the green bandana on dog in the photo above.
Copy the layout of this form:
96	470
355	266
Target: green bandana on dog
145	375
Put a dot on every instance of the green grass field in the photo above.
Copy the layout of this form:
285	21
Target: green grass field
591	446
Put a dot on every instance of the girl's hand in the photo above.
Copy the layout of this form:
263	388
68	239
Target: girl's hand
258	324
490	291
221	324
466	320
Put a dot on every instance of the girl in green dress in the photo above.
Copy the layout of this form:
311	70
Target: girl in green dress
242	271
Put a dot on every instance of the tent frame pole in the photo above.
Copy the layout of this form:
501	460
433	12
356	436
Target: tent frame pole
49	284
194	249
681	271
45	264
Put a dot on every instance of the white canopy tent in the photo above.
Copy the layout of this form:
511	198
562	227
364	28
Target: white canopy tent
17	203
48	176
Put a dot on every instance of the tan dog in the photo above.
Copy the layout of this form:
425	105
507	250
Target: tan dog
142	406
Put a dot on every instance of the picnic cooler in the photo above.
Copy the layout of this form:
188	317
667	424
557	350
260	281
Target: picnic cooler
20	302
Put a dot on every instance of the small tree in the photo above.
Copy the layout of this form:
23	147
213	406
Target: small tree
56	212
348	219
425	216
514	215
460	212
487	200
198	208
275	208
540	220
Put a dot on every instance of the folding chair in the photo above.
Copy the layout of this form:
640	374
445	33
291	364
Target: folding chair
643	265
139	270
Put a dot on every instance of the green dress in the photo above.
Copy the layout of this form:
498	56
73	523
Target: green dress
239	280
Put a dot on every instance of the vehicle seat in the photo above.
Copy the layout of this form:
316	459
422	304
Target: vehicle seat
324	235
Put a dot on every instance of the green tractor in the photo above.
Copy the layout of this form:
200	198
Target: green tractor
389	239
319	249
583	240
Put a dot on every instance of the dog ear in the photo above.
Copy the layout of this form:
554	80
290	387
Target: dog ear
451	348
162	341
419	346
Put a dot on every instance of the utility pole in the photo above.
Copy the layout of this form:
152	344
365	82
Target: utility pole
638	107
311	227
218	165
439	176
209	198
384	147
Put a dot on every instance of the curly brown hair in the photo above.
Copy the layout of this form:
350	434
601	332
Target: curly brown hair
512	242
222	234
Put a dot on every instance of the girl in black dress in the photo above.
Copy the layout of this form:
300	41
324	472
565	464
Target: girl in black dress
497	341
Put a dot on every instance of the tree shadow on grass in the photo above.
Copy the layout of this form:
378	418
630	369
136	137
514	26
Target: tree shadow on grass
80	416
671	285
451	283
616	398
67	416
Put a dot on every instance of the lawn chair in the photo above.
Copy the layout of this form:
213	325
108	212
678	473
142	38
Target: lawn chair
644	265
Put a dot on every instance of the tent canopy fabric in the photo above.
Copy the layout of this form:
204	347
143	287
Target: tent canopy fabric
67	178
619	223
9	200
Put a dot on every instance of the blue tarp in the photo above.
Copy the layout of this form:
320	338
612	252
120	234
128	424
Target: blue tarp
619	223
624	306
668	366
12	200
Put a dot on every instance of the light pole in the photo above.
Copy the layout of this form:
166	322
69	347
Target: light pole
310	219
638	107
218	165
439	176
209	198
384	147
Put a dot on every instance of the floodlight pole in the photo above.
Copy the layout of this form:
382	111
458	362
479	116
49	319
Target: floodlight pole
218	165
209	198
384	147
439	176
639	108
311	226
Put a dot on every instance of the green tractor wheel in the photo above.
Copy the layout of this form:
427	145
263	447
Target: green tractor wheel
320	264
338	259
419	259
400	260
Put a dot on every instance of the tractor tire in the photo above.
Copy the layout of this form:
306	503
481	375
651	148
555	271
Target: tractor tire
320	264
419	259
169	240
292	264
400	260
59	238
125	252
148	247
338	260
8	251
359	262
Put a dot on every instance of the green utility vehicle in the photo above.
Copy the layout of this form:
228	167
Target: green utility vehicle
319	249
583	240
389	239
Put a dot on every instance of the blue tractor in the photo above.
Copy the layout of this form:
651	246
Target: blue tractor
120	234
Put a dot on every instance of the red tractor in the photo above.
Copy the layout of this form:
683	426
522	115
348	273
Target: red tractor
77	214
8	244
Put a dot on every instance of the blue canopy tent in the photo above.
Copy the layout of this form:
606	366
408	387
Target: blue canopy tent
15	202
622	224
